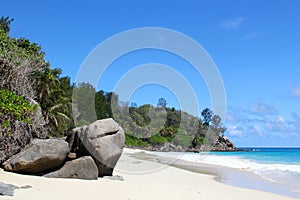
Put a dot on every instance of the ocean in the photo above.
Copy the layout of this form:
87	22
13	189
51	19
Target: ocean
270	163
279	166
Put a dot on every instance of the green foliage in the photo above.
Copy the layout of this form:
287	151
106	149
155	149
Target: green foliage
180	127
134	142
84	101
25	75
14	105
173	118
20	60
157	139
82	122
23	69
103	104
18	49
162	102
140	115
198	141
168	132
207	115
5	24
210	129
183	140
4	42
54	97
14	108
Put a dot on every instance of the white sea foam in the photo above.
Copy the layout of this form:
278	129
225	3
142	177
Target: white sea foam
233	162
241	163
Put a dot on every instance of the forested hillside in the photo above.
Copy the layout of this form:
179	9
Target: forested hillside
36	102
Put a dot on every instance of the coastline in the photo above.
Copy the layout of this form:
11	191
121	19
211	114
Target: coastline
226	175
145	177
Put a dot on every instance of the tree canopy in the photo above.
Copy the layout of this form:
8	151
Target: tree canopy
35	100
5	24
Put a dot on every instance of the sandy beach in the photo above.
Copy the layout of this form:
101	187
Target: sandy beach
136	179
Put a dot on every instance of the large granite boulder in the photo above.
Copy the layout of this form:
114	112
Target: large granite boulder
103	140
38	156
81	168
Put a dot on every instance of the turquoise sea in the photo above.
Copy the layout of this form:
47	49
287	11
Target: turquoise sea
270	163
278	168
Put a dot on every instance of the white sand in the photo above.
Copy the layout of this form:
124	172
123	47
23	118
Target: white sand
166	183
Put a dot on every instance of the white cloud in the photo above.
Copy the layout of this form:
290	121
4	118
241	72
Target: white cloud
296	121
262	108
232	23
280	119
235	130
262	124
257	129
295	92
230	118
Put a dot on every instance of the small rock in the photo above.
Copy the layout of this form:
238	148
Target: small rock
26	187
114	178
7	189
72	156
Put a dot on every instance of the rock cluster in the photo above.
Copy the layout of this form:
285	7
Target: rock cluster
89	152
224	144
166	147
103	140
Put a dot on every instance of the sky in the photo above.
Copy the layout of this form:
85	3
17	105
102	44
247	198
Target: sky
253	43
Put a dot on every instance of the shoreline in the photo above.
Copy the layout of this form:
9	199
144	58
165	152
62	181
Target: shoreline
225	175
140	179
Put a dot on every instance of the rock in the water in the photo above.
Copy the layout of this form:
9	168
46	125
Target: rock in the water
103	140
38	156
81	168
7	189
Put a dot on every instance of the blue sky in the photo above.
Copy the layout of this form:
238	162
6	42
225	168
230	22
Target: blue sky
255	45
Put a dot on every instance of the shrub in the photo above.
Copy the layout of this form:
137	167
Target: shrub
183	140
15	123
157	139
14	108
133	141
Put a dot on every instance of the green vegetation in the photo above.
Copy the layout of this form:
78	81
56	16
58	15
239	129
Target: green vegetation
54	96
143	124
36	102
134	142
24	71
13	109
27	81
5	24
180	128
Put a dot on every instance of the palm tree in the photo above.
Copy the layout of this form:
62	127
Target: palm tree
5	24
54	99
